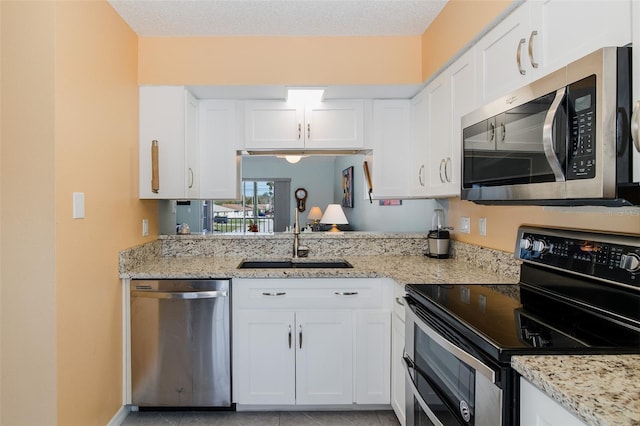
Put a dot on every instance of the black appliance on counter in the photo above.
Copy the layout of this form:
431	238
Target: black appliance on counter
579	294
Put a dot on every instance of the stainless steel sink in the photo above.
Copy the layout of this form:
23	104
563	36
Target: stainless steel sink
293	264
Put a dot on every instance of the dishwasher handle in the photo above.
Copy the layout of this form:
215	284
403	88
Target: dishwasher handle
184	295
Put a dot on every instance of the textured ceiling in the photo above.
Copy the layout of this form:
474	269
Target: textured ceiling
181	18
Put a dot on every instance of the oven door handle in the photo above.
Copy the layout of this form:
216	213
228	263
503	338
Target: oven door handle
417	396
463	356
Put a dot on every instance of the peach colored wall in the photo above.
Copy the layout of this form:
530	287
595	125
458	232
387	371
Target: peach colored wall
27	220
456	25
69	113
279	60
96	104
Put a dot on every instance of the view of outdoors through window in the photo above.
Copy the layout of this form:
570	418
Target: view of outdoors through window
253	213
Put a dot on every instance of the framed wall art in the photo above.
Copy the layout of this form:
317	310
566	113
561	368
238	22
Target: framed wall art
347	187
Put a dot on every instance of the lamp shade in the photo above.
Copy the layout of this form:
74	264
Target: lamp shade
334	215
315	213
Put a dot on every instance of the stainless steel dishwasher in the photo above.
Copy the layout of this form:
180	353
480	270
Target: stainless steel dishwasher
180	343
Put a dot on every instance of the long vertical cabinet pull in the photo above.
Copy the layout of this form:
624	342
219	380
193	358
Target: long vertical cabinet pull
518	56
533	62
155	172
300	335
289	336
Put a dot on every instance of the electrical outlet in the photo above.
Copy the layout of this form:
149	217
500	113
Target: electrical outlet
482	226
145	227
465	225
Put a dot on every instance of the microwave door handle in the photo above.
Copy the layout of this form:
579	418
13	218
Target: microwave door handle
416	394
547	136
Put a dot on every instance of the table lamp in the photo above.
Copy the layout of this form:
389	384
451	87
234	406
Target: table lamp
315	214
333	215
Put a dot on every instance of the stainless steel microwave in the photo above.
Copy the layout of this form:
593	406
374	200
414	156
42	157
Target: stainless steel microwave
562	140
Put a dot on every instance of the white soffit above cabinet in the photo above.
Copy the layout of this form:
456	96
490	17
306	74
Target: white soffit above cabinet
202	18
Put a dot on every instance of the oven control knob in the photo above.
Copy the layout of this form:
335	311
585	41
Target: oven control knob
630	262
526	244
539	246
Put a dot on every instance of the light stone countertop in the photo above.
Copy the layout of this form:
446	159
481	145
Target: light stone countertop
402	269
601	390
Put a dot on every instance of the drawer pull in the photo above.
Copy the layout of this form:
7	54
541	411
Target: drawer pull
274	293
346	293
400	301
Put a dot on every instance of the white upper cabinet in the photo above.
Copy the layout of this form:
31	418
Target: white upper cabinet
197	145
220	164
168	116
418	150
391	146
327	125
439	143
543	35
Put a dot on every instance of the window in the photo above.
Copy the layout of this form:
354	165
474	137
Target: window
264	208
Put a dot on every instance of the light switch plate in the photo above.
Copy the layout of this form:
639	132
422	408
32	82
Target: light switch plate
78	205
145	227
465	225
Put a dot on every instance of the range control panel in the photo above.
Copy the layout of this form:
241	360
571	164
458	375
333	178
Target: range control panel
610	257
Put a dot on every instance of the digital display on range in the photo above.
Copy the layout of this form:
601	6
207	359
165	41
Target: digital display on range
582	103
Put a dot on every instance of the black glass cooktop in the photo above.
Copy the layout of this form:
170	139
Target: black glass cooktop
502	326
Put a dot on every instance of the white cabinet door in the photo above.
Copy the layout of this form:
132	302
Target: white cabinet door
273	125
397	368
162	118
324	357
418	151
265	373
561	40
373	353
536	408
334	125
462	88
502	56
439	137
193	153
391	148
219	163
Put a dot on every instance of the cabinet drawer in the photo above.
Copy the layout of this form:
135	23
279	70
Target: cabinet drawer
308	293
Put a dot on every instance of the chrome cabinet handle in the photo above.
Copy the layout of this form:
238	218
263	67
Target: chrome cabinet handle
273	293
346	293
190	178
533	62
308	130
504	132
493	131
289	336
518	60
299	130
400	301
635	126
420	173
547	137
447	167
442	164
300	335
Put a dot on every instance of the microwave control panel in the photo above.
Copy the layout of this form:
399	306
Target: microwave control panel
581	101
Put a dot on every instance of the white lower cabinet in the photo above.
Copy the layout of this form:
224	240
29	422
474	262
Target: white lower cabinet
397	352
536	408
311	342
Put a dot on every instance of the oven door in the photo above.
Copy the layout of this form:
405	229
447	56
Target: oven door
446	385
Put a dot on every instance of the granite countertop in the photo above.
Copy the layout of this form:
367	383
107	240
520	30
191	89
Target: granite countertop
402	269
599	389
